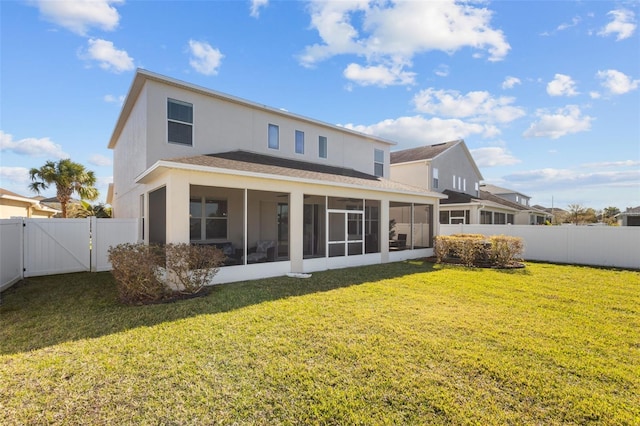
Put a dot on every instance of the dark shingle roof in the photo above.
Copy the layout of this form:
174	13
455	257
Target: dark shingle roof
250	162
421	153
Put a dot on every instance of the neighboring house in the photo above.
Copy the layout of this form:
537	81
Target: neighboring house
199	166
54	203
527	215
629	217
15	205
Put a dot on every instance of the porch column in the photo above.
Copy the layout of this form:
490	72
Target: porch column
178	208
296	230
384	230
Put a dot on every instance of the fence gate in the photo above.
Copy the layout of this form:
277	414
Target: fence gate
53	246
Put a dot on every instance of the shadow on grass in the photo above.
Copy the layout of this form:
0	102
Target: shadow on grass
45	311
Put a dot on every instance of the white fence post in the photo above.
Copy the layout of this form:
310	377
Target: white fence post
11	252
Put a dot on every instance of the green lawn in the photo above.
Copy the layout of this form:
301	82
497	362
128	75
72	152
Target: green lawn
402	343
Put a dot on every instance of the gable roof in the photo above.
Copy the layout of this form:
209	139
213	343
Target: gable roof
430	152
142	76
267	166
427	152
497	190
486	198
9	195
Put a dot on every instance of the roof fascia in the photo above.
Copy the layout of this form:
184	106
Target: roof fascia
164	165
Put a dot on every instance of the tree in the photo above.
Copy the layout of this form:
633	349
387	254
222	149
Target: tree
84	209
68	177
576	213
608	215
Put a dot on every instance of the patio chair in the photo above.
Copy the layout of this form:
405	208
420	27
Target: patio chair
265	250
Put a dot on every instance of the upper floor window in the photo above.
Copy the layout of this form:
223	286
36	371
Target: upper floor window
454	181
299	142
274	136
180	122
464	185
378	162
435	178
477	188
322	147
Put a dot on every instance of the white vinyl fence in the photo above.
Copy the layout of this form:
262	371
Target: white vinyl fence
33	247
610	246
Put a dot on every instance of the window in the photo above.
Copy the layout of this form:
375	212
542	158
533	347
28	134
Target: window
510	219
274	136
207	219
299	142
459	183
486	218
464	185
180	122
378	162
454	181
477	188
435	178
500	218
322	146
454	217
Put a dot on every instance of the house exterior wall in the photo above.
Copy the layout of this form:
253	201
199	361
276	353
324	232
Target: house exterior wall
129	160
417	173
15	208
220	125
455	162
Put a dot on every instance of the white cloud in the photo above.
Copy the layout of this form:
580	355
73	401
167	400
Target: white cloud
17	175
575	21
379	75
256	5
614	164
510	82
595	95
478	105
417	130
100	160
616	82
393	32
549	177
114	99
562	85
31	147
442	70
564	121
622	25
81	15
108	57
493	156
204	58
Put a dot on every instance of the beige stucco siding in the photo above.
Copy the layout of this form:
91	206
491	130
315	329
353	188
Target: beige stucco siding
129	159
222	125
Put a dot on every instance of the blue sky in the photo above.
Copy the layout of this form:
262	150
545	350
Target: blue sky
546	94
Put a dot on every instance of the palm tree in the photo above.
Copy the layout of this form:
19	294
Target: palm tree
68	177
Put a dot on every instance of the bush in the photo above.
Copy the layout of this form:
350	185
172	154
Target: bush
476	249
191	267
505	250
135	269
442	247
468	248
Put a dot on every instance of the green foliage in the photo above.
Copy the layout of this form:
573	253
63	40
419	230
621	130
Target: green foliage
85	209
504	250
476	249
192	266
135	269
68	178
404	343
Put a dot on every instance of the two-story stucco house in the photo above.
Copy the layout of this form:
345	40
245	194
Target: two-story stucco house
16	205
278	192
450	169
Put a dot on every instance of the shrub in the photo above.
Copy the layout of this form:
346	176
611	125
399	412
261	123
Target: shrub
442	246
135	269
505	249
191	267
468	248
